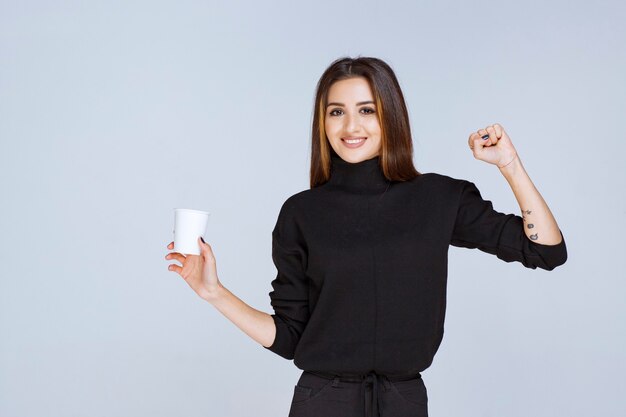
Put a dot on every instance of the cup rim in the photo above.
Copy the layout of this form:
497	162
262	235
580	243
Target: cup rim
192	210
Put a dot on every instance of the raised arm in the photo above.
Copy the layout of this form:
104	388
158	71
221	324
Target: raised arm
539	223
494	146
534	238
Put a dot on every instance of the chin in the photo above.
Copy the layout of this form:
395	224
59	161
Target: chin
357	154
354	157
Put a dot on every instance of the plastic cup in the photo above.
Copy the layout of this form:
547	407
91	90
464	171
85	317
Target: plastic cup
189	225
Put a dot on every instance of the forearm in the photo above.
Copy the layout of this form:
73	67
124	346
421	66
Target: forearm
539	223
256	324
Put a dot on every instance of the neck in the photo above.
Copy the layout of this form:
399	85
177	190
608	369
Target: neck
361	177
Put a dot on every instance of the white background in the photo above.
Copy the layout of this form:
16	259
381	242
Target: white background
114	113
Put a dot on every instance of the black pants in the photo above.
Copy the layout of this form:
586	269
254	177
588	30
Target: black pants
326	395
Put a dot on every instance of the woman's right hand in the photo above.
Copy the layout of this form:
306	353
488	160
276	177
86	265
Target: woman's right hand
199	271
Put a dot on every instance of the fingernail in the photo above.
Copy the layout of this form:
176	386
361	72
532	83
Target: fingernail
202	239
485	137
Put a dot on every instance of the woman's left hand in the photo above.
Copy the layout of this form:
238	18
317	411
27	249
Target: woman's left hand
497	149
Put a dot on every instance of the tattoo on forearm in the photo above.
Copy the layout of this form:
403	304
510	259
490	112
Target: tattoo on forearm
529	225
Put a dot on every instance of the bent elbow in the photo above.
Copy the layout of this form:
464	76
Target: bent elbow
556	261
286	339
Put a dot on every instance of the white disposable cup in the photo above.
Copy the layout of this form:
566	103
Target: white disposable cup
189	225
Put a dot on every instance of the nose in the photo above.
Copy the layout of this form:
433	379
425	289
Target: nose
353	123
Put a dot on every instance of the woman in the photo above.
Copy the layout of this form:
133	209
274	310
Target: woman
360	293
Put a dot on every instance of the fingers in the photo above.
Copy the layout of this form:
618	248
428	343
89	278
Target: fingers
498	128
484	136
488	136
207	251
207	254
491	138
492	134
177	256
476	142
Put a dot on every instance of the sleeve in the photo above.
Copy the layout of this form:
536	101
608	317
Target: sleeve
289	297
478	225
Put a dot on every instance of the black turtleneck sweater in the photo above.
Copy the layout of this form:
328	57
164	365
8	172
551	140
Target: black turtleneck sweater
362	266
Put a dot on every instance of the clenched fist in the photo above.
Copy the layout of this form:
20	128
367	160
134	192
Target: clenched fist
492	145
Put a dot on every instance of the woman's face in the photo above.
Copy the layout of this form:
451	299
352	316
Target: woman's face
351	117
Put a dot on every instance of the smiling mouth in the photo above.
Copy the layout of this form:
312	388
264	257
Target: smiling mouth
353	140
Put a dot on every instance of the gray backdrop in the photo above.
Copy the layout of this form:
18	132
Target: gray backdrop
113	113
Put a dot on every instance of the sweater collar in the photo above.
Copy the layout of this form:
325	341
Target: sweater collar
365	176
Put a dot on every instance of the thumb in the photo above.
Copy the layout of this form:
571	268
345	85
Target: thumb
205	248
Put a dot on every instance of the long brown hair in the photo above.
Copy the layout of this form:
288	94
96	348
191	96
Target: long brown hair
396	155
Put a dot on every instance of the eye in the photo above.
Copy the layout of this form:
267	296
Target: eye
366	110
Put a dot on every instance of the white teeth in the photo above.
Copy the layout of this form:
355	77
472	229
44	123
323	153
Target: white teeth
354	140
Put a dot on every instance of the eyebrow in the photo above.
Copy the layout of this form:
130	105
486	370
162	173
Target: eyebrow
343	105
